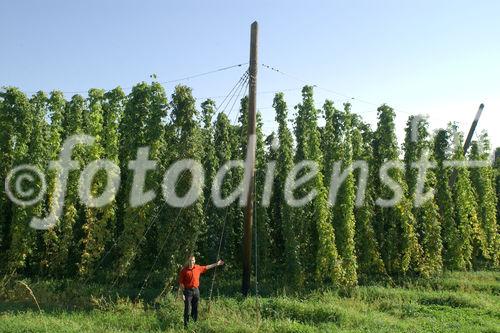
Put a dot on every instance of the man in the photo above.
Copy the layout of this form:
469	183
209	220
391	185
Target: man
189	281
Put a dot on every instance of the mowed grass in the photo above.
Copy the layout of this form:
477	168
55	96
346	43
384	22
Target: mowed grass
455	302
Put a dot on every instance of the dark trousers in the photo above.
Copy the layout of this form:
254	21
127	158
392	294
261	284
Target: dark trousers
191	298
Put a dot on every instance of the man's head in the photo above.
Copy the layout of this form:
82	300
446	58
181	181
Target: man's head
191	260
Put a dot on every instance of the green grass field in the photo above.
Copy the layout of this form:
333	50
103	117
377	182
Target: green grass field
456	302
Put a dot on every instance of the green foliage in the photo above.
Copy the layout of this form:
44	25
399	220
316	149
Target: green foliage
57	106
444	200
343	218
497	187
485	194
30	148
4	130
395	225
103	117
285	232
222	140
67	252
316	245
113	108
8	134
94	233
262	226
142	126
188	222
417	147
465	212
370	263
332	140
497	178
207	243
318	252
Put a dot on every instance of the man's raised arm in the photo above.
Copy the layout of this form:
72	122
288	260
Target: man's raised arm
218	263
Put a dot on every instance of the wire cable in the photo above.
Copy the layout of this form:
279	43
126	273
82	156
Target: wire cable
347	97
189	77
238	98
237	90
203	74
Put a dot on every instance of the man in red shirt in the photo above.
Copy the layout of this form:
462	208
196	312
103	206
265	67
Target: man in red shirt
189	281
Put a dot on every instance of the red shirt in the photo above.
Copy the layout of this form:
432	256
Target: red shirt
190	277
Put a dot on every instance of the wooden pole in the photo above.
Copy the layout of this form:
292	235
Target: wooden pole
247	229
468	141
473	128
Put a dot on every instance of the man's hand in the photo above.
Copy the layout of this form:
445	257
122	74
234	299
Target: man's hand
180	291
220	262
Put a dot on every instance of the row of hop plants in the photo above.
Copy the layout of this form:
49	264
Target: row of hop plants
317	244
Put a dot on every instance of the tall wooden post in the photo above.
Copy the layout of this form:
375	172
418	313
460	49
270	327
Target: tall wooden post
473	128
468	141
247	229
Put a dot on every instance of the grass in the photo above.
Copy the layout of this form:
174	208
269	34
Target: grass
455	302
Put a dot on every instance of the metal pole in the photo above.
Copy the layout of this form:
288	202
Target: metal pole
247	229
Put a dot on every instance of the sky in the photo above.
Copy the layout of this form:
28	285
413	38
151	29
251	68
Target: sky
436	58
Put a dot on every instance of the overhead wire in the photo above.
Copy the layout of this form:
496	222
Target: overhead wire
237	91
274	69
203	74
185	78
258	93
345	96
271	68
238	98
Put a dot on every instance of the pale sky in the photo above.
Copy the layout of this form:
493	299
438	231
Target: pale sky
431	57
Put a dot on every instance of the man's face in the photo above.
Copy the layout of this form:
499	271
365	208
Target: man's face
191	262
